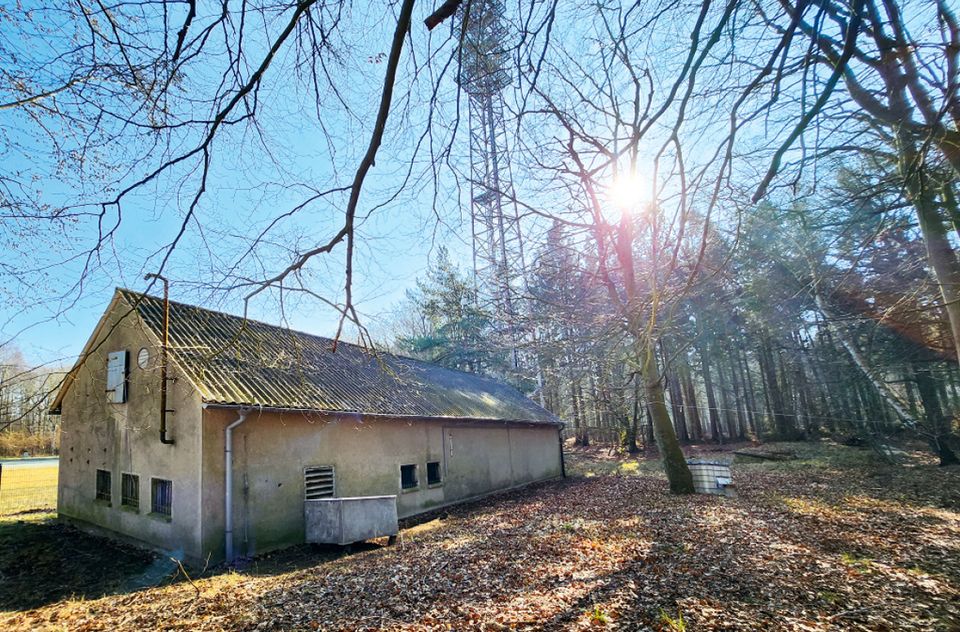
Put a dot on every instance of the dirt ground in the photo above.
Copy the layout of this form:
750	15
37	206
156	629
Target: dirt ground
830	540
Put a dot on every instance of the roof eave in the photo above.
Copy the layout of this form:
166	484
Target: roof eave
402	417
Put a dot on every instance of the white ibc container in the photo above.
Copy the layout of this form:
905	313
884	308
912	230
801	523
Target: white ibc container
712	477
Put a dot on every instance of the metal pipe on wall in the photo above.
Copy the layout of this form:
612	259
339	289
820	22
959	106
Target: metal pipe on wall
228	482
164	346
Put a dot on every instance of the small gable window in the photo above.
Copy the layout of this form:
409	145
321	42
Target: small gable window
117	377
408	476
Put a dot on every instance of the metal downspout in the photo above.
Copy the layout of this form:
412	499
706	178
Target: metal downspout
164	352
563	464
228	482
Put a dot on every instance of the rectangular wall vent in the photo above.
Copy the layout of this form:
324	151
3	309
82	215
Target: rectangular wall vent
318	482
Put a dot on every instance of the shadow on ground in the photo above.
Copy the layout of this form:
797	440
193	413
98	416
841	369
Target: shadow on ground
43	561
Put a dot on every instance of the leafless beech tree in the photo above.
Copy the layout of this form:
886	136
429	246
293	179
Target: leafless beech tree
133	97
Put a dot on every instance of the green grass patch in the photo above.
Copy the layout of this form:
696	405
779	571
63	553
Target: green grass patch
590	465
598	616
855	561
28	489
824	454
676	624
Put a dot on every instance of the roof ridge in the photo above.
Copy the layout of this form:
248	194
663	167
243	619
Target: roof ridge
373	351
221	313
264	374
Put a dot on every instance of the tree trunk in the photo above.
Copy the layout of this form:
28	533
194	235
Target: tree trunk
738	397
938	429
752	411
772	387
676	396
674	463
940	253
582	407
725	401
579	436
595	400
942	392
690	396
648	439
908	386
789	407
805	403
714	414
864	365
954	395
813	360
629	442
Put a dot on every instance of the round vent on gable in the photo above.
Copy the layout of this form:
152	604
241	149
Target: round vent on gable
143	358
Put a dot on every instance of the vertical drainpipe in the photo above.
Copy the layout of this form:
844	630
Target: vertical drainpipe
164	346
563	465
228	482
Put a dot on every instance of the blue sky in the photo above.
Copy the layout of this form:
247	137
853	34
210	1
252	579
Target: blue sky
261	173
256	175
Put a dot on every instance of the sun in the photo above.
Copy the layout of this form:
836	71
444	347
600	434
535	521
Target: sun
628	191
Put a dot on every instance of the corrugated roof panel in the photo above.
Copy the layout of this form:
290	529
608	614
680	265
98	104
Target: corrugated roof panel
245	362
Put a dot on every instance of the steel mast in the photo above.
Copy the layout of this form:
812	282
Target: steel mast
498	263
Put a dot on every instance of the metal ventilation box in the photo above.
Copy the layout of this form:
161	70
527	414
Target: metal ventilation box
349	520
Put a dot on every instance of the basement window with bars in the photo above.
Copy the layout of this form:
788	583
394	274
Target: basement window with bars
103	485
408	477
433	473
161	496
130	491
318	482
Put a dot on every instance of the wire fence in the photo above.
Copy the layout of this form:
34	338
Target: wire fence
29	485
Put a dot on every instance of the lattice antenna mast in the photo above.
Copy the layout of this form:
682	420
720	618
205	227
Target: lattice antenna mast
495	222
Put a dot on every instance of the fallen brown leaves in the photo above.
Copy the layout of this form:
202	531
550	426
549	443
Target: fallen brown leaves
807	546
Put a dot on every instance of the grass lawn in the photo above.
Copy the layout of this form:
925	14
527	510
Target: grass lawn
28	488
830	541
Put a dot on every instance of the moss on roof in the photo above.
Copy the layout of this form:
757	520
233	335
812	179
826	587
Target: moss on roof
235	361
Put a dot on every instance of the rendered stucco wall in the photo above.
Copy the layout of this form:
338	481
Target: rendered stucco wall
124	438
272	450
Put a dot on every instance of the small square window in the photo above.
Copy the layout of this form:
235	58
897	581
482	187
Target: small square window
161	496
408	477
433	473
103	485
130	491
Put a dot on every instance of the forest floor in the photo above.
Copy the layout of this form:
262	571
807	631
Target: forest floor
830	540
